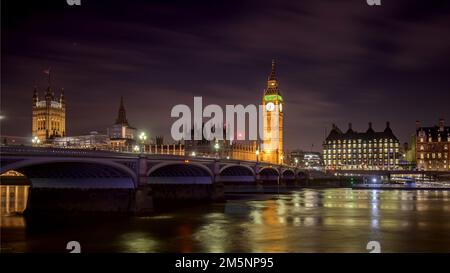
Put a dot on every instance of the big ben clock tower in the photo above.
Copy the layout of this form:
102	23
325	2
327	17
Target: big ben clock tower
272	148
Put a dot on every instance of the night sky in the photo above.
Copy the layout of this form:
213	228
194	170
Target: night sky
338	61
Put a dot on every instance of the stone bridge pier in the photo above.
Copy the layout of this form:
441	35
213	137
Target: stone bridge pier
164	184
143	201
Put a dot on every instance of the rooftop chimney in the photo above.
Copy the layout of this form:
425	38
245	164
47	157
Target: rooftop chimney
441	124
370	130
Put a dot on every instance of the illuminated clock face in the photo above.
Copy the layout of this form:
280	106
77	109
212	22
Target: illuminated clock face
270	106
281	107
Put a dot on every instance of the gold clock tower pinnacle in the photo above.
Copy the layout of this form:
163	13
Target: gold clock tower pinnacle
272	148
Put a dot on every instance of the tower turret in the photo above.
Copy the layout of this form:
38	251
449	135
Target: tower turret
62	99
49	114
272	82
35	96
122	115
49	96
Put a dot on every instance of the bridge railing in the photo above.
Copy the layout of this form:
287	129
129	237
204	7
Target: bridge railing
58	151
50	151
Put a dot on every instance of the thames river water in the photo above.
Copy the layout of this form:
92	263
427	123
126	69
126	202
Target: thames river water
309	220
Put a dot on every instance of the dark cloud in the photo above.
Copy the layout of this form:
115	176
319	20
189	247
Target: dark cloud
339	61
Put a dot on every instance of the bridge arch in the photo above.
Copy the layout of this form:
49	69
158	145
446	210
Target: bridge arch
302	174
176	172
236	173
174	163
102	166
229	169
269	171
288	173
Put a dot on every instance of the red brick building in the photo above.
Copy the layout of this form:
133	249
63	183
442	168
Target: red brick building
432	147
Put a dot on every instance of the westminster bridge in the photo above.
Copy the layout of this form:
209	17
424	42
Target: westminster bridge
79	179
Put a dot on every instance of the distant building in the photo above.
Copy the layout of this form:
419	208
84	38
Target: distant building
15	140
48	115
410	153
432	147
92	141
306	160
159	147
358	151
237	149
122	135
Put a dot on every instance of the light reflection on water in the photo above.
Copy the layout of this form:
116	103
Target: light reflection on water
330	220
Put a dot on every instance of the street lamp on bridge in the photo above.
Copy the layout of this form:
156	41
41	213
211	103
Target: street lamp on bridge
217	147
143	138
35	140
136	149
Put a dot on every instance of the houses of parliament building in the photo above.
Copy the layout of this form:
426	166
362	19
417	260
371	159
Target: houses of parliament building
49	127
